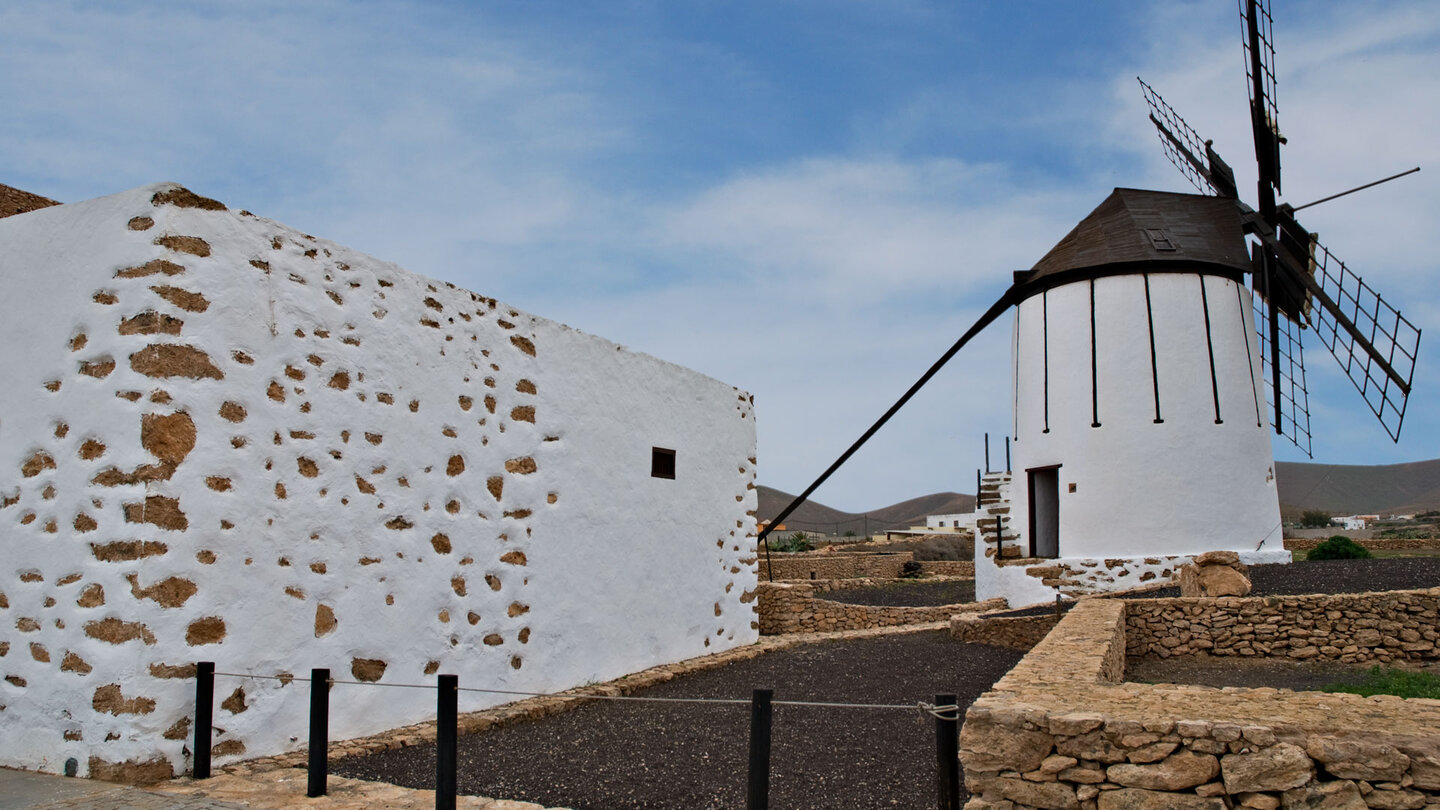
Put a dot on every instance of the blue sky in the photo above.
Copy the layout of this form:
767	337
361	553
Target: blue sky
808	200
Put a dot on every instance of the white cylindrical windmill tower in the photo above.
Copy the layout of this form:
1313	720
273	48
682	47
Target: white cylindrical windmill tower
1140	421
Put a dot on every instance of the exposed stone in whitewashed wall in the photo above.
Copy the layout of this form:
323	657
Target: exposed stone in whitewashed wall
222	439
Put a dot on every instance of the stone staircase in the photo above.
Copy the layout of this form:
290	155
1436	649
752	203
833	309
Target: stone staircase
994	527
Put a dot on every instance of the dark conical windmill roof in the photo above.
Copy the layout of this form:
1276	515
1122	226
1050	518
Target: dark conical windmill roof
1150	231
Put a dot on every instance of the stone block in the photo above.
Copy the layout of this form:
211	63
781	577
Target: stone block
1395	799
1092	746
988	747
1355	758
1323	796
1047	795
1137	799
1075	723
1279	767
1179	772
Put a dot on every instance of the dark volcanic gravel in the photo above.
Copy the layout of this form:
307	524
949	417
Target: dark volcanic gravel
917	593
1336	576
1346	576
615	755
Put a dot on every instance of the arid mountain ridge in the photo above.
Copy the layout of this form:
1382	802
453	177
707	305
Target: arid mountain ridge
1339	489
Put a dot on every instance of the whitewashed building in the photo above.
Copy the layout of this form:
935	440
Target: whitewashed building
1140	429
222	439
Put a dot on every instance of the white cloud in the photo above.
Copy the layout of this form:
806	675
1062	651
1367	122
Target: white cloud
601	182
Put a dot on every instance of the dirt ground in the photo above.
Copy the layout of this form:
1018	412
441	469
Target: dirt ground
618	755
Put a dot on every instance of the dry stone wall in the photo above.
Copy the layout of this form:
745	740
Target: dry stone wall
1062	730
1374	544
222	439
833	565
1351	628
792	607
1012	632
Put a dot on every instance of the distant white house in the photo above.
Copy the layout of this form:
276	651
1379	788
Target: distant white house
1355	522
951	523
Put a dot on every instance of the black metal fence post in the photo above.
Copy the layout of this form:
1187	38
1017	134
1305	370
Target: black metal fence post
447	700
204	712
757	784
319	765
947	751
987	453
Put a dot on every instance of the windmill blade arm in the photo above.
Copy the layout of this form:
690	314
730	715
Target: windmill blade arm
1264	113
997	309
1333	307
1184	152
1373	308
1374	344
1184	147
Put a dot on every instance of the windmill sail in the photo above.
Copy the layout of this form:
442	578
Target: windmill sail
1291	418
1260	79
1372	341
1184	147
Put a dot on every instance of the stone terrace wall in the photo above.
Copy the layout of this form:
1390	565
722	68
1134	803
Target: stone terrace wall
791	607
1307	543
1012	632
1351	628
948	568
1060	731
827	565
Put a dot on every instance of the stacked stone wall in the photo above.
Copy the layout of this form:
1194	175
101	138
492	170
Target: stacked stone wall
791	607
1350	628
947	568
1409	544
833	565
1061	730
1012	632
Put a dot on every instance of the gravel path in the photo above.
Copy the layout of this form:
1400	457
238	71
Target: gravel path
613	756
915	593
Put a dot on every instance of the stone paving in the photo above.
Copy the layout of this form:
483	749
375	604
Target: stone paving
27	790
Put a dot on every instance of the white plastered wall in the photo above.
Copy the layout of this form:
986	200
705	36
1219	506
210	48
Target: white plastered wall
368	471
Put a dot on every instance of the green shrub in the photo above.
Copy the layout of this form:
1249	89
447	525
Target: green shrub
911	570
1338	547
1314	519
1400	682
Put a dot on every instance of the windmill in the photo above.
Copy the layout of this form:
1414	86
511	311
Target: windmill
1144	393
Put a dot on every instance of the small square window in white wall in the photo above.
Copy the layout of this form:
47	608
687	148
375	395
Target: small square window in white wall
662	463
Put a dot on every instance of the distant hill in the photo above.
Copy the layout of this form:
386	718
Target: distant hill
1354	490
1335	488
817	517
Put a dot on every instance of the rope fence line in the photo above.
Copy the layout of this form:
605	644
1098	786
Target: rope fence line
945	712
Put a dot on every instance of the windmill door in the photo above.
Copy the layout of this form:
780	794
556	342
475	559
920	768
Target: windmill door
1044	489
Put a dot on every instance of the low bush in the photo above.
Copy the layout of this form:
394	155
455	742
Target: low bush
1338	547
799	541
911	570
